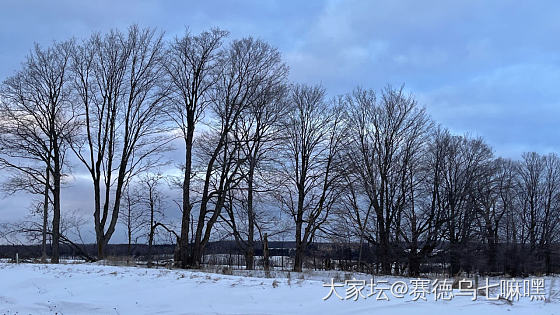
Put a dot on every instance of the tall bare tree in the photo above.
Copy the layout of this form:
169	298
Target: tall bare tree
248	69
191	66
539	203
387	135
132	217
152	200
118	80
258	131
492	195
311	181
465	161
36	121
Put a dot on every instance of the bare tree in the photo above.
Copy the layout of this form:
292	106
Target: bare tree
191	66
258	131
247	69
422	217
118	81
36	122
311	181
387	136
132	217
551	210
492	194
539	202
152	202
531	173
356	215
465	161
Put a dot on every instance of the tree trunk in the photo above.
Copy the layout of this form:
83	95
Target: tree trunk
413	263
151	236
492	249
298	260
184	239
266	254
100	247
150	243
454	260
250	252
56	208
360	266
384	252
45	217
299	255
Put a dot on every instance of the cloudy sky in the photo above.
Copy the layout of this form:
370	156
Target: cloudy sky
489	69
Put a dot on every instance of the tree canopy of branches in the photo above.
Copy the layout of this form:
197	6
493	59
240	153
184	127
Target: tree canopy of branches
192	65
249	69
37	119
311	163
369	171
118	80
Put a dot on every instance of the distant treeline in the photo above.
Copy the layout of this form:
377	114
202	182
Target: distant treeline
513	259
139	250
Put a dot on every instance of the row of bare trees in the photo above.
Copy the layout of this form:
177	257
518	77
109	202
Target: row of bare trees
415	190
261	156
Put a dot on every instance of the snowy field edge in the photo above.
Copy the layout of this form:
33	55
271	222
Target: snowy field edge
97	289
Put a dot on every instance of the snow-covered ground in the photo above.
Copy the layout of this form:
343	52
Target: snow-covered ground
98	289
